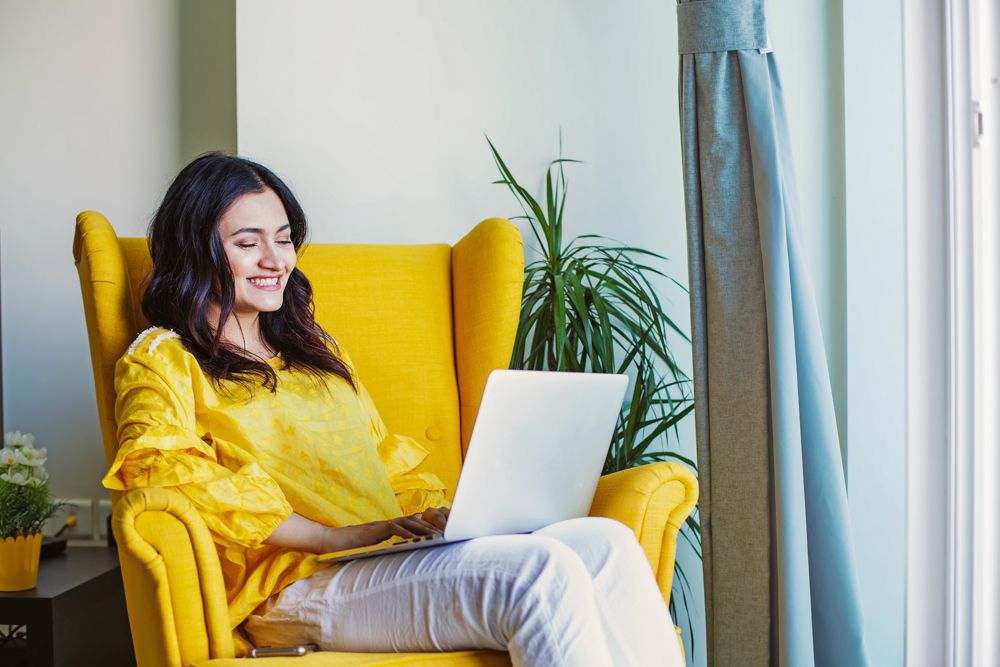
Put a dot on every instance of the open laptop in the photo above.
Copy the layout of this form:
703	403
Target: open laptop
536	452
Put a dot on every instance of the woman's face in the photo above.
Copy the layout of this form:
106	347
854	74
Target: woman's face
258	242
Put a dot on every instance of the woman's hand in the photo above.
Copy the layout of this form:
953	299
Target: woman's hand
298	532
427	522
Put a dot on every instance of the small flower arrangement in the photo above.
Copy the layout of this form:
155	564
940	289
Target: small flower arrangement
25	500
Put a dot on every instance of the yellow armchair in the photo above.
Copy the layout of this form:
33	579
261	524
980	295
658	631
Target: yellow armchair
425	325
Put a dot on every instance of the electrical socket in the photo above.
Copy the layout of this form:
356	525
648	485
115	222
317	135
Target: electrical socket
83	510
103	513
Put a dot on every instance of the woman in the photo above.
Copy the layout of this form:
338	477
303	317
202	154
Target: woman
240	401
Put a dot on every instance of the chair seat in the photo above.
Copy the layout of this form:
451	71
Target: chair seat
325	659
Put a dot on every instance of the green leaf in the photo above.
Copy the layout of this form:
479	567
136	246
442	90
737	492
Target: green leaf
559	321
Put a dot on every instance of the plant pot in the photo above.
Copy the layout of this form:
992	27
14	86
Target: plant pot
19	562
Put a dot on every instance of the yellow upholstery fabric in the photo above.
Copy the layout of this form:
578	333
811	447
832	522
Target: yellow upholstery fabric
173	583
485	283
110	311
425	325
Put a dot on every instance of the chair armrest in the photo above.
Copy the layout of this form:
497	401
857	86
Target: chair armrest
174	590
653	500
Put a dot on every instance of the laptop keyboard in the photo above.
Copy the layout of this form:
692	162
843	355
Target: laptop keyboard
421	538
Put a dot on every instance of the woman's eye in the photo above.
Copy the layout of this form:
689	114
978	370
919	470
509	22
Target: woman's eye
246	246
285	242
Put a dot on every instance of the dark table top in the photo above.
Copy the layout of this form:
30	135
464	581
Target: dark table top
62	573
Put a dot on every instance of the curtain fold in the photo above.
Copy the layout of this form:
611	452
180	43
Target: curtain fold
780	580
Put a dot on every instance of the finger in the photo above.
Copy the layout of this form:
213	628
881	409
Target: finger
436	517
418	525
398	530
428	527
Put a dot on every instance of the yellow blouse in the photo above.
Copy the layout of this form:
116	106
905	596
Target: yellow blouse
314	447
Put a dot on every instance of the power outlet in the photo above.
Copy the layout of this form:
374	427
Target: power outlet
80	509
103	514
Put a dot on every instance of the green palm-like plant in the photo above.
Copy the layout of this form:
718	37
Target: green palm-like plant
590	306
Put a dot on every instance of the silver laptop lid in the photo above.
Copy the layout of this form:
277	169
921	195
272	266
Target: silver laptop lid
536	452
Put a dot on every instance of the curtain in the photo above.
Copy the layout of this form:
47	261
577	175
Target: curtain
781	586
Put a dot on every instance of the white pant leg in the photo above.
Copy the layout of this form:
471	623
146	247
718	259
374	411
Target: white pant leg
528	594
635	618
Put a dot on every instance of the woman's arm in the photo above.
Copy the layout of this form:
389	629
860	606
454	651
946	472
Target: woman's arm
160	445
298	532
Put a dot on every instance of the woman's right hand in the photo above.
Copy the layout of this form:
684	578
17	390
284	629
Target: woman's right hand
366	534
298	532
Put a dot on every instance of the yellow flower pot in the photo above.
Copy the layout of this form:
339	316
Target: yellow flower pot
19	562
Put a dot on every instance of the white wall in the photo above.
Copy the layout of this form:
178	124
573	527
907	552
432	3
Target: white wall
876	324
93	115
88	120
928	473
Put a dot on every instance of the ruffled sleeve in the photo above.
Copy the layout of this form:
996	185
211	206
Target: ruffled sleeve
159	446
401	455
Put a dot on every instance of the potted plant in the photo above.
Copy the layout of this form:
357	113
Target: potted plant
25	505
589	305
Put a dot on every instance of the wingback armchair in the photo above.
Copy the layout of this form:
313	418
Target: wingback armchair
425	325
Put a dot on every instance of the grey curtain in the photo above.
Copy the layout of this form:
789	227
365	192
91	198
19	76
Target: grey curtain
780	581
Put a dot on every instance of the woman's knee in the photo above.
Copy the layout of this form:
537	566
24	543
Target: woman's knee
537	557
597	540
611	530
541	570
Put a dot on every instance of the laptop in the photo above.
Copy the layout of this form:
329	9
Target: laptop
536	452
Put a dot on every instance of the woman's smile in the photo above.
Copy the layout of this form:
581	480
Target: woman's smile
268	284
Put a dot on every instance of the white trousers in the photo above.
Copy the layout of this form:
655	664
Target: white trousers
578	593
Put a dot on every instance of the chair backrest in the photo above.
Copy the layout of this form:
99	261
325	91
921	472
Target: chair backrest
424	324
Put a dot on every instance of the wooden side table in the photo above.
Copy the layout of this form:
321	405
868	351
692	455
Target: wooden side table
75	616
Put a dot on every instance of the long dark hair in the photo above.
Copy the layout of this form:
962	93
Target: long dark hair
191	271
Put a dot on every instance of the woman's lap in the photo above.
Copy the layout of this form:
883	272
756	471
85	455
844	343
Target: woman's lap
530	594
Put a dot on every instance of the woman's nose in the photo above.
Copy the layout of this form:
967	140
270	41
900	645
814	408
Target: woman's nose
271	258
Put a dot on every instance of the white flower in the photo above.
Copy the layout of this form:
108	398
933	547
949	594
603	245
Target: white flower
34	457
20	463
17	438
13	457
16	478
